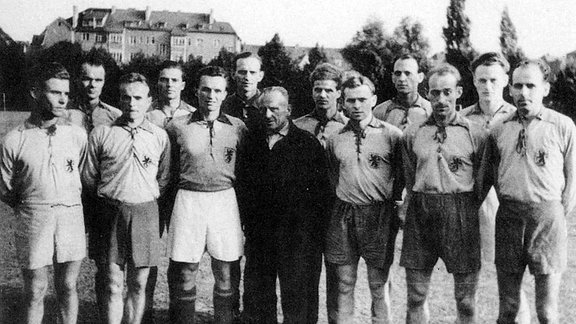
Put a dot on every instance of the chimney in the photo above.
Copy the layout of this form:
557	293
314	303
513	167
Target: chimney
148	14
74	17
211	17
113	11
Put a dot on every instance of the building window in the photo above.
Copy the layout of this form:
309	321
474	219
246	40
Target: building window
216	43
178	41
99	22
115	38
161	24
85	36
133	23
116	56
100	39
189	41
152	39
163	49
132	40
199	42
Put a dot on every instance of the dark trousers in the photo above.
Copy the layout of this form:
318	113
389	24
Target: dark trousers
298	270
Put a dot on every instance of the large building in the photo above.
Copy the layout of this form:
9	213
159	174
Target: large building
127	32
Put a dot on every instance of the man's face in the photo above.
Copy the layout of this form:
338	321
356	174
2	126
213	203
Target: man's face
53	97
528	89
275	109
92	78
490	81
359	102
406	76
170	83
443	93
211	92
325	94
134	100
248	74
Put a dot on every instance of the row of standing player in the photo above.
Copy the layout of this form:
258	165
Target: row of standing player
358	146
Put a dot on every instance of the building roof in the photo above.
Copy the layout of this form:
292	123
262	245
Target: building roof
117	19
38	40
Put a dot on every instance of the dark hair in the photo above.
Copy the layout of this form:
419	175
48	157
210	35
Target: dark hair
327	71
443	69
245	55
408	57
543	66
212	71
356	81
46	71
490	58
94	58
133	78
172	65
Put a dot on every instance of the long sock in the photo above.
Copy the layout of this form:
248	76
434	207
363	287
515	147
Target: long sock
223	306
183	306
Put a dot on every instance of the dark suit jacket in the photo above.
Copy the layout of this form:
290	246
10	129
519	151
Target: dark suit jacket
284	193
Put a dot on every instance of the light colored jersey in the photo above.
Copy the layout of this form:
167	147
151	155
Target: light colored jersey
88	118
129	165
159	117
320	128
393	112
535	163
206	152
443	163
476	115
366	163
42	166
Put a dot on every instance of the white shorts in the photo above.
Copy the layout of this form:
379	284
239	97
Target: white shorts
205	221
49	233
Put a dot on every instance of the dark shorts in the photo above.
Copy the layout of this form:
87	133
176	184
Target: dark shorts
126	233
533	235
367	231
442	226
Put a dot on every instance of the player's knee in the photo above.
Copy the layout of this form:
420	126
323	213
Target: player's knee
346	283
377	289
137	285
68	285
115	284
417	295
182	276
466	306
36	290
547	314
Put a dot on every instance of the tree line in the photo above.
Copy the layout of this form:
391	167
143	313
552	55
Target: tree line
371	52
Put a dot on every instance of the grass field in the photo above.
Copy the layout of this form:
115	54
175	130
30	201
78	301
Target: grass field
441	298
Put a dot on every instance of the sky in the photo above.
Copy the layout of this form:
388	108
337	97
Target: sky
543	26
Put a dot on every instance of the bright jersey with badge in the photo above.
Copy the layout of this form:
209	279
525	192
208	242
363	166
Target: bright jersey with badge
443	162
121	159
537	161
206	151
363	163
42	166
